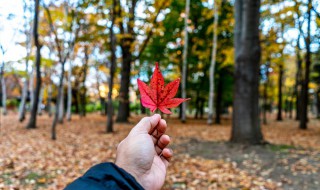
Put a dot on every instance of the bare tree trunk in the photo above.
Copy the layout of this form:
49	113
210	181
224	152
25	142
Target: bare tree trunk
219	99
318	103
31	86
60	94
40	101
184	65
69	104
279	116
124	109
213	63
83	87
265	95
305	84
33	117
61	105
246	124
4	95
22	106
49	99
298	79
113	63
28	33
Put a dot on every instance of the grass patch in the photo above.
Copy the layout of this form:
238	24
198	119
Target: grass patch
280	148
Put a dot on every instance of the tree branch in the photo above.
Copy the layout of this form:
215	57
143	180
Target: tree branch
315	11
149	35
52	29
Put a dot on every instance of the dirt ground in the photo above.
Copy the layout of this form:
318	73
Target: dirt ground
203	157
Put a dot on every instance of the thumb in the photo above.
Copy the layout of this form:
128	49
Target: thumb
147	124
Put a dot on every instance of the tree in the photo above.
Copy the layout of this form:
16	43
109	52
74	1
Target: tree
28	33
127	40
245	123
185	63
3	83
213	63
34	108
113	63
305	83
63	54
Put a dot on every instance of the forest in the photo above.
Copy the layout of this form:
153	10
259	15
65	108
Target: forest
70	71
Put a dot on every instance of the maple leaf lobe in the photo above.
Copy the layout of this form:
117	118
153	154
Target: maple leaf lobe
158	95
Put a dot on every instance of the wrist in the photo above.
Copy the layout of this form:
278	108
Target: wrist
129	170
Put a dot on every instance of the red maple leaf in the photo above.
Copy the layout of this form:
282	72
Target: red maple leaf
159	96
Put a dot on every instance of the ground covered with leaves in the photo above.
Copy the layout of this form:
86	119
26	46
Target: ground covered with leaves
203	158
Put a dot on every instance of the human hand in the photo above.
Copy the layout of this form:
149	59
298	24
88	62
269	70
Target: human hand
144	155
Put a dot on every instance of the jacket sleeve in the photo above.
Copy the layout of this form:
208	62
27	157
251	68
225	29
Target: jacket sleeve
105	176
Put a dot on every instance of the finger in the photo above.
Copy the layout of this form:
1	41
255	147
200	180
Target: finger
166	156
147	123
162	143
160	129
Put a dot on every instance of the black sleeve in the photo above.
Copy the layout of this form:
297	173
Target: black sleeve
105	176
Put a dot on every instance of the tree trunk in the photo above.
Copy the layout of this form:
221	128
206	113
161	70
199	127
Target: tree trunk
113	63
22	106
202	108
305	83
69	104
49	99
33	116
124	108
318	104
31	86
291	105
4	95
83	94
56	115
185	63
40	101
265	95
61	105
219	100
279	116
196	115
246	124
213	63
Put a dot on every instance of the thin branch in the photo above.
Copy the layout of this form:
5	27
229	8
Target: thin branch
52	29
315	11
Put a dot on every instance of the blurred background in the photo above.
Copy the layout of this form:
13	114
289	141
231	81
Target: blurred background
68	69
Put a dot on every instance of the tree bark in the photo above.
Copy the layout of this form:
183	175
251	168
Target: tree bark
305	83
279	116
31	86
83	94
298	79
61	105
125	84
4	95
69	104
40	101
318	104
265	95
113	63
33	116
185	63
49	99
246	124
28	34
219	100
213	63
22	106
